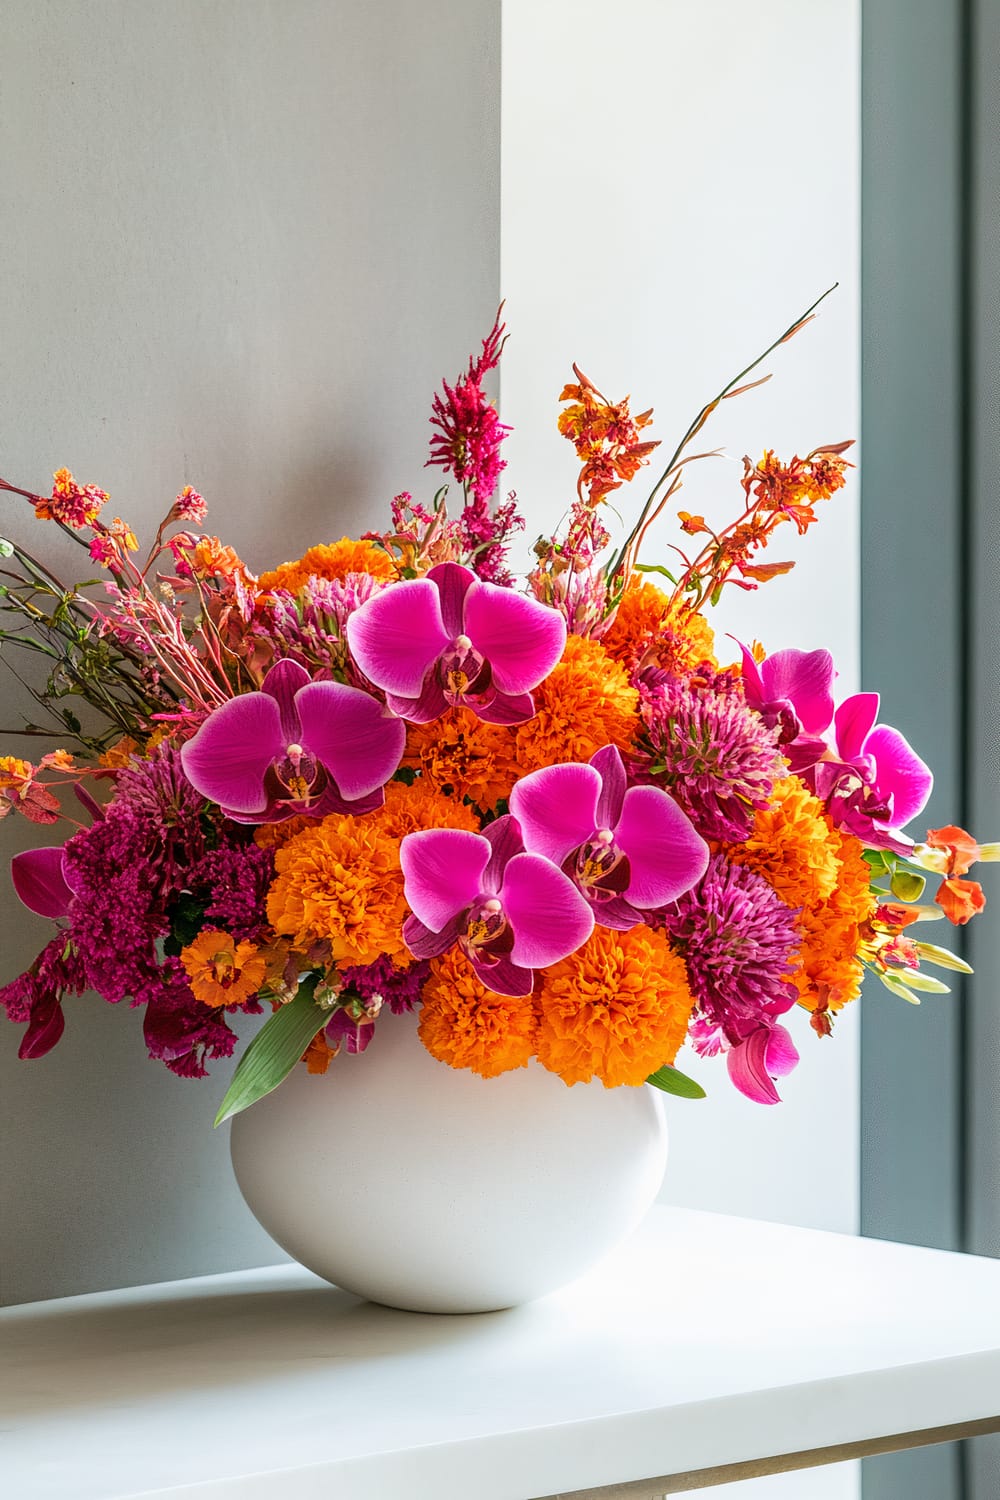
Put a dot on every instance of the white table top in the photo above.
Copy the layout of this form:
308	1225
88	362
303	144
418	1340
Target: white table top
704	1341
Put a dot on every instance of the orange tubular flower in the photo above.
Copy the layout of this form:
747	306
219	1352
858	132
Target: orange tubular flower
467	1026
222	971
331	560
616	1010
960	900
648	628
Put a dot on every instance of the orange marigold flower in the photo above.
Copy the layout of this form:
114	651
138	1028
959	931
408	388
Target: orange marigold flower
960	900
221	971
331	560
274	835
616	1010
585	702
829	973
339	881
461	754
467	1026
410	808
793	846
211	558
650	629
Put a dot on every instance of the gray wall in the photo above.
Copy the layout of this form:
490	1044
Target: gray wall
243	240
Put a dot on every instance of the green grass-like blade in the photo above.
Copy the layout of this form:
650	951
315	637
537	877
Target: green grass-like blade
274	1051
673	1081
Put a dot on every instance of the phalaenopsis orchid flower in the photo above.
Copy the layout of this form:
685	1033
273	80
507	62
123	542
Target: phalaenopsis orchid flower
871	779
295	747
450	639
509	911
626	849
793	690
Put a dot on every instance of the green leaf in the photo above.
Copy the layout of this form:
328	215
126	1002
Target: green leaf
673	1081
6	548
274	1051
906	885
875	859
654	568
943	957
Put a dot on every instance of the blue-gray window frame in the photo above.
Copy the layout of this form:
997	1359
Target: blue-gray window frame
930	590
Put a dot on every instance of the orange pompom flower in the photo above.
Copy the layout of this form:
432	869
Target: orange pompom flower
616	1010
830	973
331	560
339	881
467	1026
649	629
408	809
793	846
460	753
222	971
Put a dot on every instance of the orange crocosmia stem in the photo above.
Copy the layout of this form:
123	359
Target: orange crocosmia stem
960	900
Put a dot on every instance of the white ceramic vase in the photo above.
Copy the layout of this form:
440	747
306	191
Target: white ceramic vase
428	1188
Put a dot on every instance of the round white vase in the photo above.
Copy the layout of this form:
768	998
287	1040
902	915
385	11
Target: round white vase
429	1188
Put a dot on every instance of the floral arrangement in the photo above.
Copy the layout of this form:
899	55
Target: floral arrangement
386	777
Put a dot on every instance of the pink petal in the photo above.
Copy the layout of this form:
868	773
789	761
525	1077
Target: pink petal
281	683
900	774
45	1026
227	758
618	914
38	879
521	639
855	719
548	916
753	683
609	766
453	582
804	751
557	809
782	1053
423	943
748	1068
505	708
429	705
504	977
505	840
805	680
667	856
442	872
358	740
397	635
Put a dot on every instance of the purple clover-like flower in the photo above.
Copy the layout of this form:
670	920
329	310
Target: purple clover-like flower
626	849
450	639
297	746
509	911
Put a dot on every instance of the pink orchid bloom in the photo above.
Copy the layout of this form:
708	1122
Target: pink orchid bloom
509	911
792	690
767	1053
297	746
872	781
449	638
627	849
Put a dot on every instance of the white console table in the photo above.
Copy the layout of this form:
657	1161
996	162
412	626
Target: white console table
708	1349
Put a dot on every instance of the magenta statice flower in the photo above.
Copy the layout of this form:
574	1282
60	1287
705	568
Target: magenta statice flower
178	1029
509	911
871	780
793	692
716	757
400	989
450	639
626	849
232	881
740	943
297	746
469	432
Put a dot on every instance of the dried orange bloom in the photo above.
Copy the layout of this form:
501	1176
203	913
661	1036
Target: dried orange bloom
616	1010
793	846
208	557
73	504
331	560
407	809
605	436
830	973
319	1054
650	629
339	881
586	702
460	752
467	1026
222	971
120	753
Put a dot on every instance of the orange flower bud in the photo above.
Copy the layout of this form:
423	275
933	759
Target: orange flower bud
960	900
